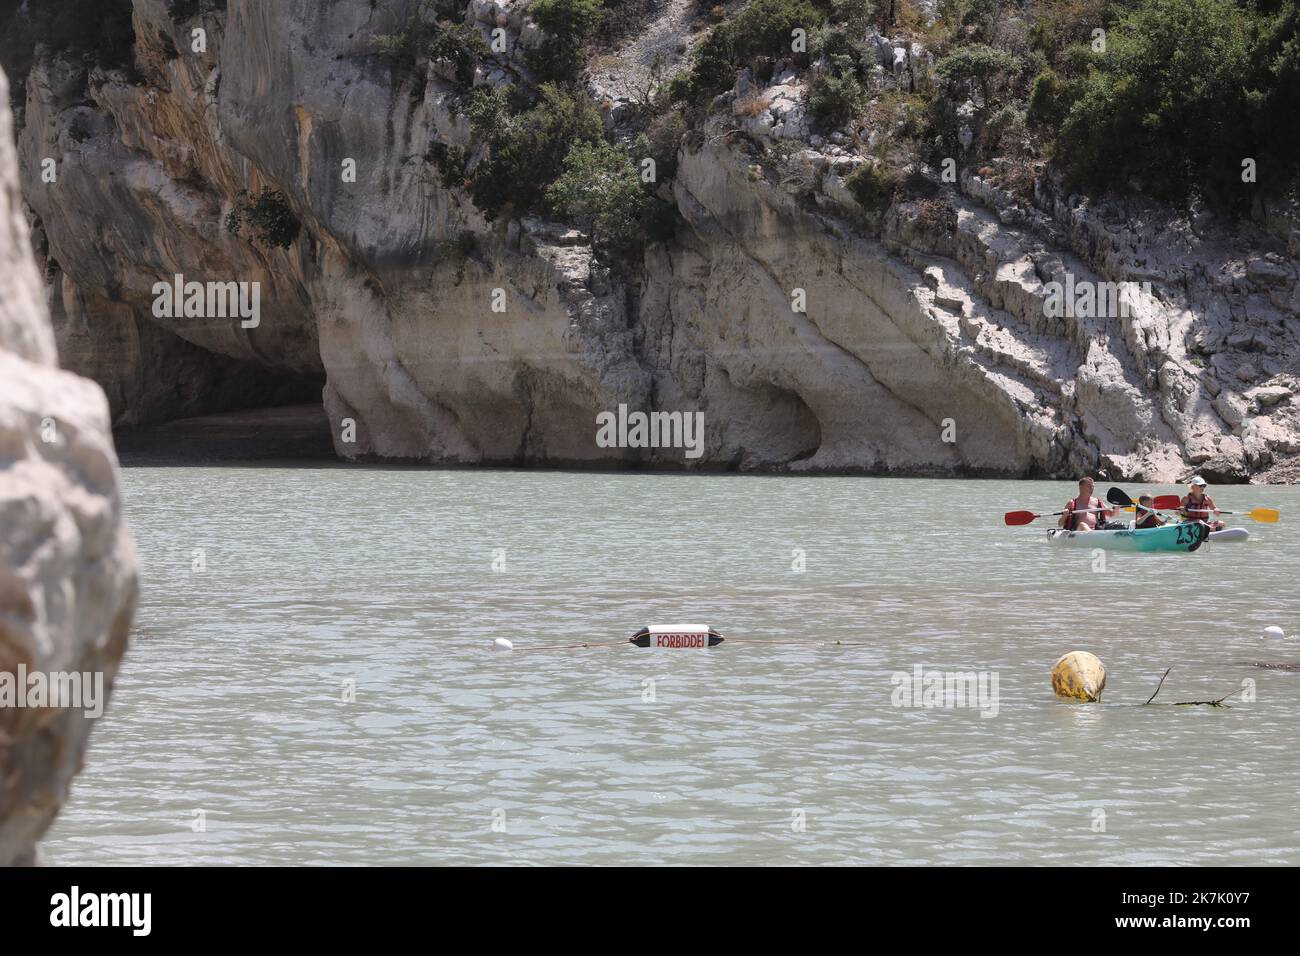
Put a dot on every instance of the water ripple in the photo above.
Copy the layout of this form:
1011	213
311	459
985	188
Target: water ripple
320	584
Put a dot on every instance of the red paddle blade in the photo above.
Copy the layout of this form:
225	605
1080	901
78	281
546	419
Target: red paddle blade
1019	517
1168	502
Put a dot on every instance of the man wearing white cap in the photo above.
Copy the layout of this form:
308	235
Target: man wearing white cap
1198	506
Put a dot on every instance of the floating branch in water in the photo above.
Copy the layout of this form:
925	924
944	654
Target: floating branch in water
1161	684
1193	703
1209	703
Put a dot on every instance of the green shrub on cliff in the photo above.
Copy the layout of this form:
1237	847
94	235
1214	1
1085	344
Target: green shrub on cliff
713	69
661	140
568	25
873	186
491	109
267	217
987	76
424	36
975	14
836	98
527	150
450	161
401	50
1059	25
459	44
856	15
763	29
979	67
766	27
625	18
1186	91
600	189
1051	97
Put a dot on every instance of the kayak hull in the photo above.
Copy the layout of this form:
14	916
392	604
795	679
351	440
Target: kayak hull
1172	537
1230	534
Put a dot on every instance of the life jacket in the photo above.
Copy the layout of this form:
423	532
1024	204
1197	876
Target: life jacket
1149	519
1197	511
1074	504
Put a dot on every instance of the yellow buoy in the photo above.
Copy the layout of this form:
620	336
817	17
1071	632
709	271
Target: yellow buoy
1079	676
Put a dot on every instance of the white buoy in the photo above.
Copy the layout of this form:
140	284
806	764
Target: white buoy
1274	631
501	644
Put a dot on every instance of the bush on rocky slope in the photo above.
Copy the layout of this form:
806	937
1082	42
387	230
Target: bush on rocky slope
625	18
552	158
979	68
434	33
600	189
762	29
460	45
1167	96
836	96
856	15
1060	25
527	149
267	217
1186	91
568	24
873	186
660	140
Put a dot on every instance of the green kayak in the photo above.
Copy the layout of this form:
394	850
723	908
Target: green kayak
1171	537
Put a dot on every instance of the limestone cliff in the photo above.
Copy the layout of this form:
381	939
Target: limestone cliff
924	345
67	568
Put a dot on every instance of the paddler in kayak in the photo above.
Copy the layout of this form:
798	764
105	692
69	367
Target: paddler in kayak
1084	512
1198	506
1148	517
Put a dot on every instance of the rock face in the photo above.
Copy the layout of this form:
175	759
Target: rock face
813	335
67	567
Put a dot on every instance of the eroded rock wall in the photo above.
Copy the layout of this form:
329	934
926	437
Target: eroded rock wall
67	567
915	331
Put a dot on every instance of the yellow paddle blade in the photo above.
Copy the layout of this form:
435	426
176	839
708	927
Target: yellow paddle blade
1267	515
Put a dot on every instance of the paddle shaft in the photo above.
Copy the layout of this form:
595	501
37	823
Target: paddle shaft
1174	503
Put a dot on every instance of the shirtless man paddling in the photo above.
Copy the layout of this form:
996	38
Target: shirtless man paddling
1083	512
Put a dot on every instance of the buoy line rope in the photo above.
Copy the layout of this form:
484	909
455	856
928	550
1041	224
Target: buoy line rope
563	647
725	640
741	640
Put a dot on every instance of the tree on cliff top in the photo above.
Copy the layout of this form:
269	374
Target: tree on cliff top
1187	91
601	190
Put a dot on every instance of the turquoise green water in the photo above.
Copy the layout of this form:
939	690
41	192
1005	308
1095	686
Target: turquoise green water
231	701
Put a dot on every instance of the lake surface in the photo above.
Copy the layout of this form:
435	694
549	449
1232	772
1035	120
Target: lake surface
232	698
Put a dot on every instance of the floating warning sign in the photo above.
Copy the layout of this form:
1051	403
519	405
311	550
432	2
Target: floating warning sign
677	636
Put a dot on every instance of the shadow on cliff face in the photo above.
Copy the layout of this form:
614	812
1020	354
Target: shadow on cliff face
291	433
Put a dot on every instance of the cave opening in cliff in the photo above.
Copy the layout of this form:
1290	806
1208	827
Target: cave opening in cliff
286	422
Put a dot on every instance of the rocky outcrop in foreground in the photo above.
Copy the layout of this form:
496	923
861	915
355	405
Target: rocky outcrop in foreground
67	566
924	344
